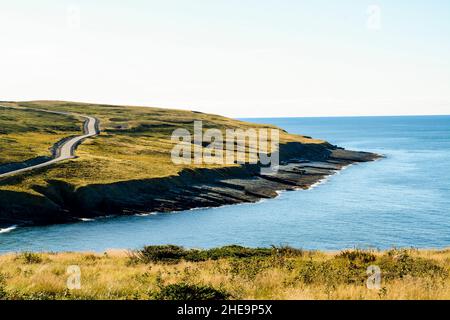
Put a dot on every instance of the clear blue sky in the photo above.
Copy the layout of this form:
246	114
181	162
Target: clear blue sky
238	58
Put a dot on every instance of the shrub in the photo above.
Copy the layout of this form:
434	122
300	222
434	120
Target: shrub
397	264
3	293
183	291
248	268
91	258
174	254
325	272
286	251
351	266
40	295
162	254
237	252
357	256
30	258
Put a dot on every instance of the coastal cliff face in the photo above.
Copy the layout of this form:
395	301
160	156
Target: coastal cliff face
302	165
128	169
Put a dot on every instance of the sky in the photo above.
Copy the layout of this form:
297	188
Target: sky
246	58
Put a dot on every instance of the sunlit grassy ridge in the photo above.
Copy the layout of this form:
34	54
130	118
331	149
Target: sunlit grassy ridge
169	272
26	134
135	143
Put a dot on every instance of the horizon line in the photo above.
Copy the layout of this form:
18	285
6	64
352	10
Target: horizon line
352	116
232	116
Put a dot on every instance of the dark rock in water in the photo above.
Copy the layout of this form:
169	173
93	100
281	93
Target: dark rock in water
302	165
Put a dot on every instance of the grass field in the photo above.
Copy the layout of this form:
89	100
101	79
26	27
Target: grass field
29	134
173	273
135	142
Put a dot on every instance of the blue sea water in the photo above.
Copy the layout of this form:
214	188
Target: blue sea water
402	200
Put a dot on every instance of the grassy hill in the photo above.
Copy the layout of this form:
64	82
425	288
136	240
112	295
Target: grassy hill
134	142
27	134
128	169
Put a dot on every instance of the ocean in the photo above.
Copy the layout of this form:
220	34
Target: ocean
402	200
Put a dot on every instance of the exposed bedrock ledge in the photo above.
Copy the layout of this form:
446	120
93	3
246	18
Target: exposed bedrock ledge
301	166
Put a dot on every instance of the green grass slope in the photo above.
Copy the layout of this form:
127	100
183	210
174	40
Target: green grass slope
134	144
27	134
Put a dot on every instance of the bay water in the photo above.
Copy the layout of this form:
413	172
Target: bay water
402	200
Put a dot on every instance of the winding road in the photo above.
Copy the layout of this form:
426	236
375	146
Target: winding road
65	150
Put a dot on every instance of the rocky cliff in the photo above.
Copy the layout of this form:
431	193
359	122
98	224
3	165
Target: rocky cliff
302	165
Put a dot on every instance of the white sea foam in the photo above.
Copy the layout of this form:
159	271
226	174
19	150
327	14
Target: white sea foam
9	229
321	181
318	183
325	179
146	214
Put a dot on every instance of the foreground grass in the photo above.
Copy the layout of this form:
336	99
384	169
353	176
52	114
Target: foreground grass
169	272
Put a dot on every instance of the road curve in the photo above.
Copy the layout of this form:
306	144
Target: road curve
65	150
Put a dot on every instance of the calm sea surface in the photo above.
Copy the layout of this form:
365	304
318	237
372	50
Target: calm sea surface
402	200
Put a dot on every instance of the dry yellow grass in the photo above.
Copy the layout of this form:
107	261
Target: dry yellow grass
112	276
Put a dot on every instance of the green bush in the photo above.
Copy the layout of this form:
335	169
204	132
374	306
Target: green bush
248	268
30	257
161	254
351	267
3	293
183	291
357	256
286	251
236	252
396	264
174	254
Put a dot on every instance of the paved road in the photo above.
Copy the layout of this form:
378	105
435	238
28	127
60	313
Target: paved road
66	150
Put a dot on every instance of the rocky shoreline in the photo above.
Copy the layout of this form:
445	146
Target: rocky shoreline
302	165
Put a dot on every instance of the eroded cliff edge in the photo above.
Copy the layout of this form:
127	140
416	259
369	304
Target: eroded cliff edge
302	165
